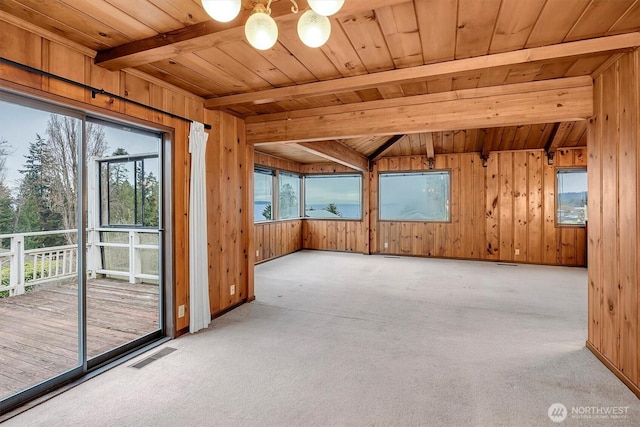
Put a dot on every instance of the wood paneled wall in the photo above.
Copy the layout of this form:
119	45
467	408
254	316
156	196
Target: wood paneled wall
346	236
273	162
277	238
57	57
614	220
504	212
228	221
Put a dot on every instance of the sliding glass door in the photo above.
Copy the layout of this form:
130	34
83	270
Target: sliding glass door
39	275
124	251
81	206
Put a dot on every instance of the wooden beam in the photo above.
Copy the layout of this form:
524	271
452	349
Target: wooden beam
487	145
560	84
558	134
508	105
209	33
431	71
335	152
384	148
431	157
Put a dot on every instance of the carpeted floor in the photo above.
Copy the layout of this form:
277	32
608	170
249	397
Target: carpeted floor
347	339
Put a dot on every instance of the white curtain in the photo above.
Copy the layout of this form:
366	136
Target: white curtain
200	312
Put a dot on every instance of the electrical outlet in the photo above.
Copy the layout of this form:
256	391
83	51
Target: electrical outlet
386	245
181	311
257	252
233	289
517	251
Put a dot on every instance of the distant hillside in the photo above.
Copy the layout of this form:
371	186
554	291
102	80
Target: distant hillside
573	199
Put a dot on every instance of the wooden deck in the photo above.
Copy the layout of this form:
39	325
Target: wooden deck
39	332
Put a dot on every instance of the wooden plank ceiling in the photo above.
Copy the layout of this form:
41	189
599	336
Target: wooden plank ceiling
176	41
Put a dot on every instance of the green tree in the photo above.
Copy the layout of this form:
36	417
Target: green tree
331	207
121	193
151	196
266	212
34	211
7	213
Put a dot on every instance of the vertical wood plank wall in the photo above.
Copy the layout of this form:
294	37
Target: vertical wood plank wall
345	236
37	51
504	212
614	223
275	238
228	229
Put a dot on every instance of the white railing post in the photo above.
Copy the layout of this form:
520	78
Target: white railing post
16	280
135	262
94	257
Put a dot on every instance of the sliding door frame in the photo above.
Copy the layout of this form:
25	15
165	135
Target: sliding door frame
54	104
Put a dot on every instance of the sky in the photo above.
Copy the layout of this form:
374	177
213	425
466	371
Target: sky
322	191
573	182
19	126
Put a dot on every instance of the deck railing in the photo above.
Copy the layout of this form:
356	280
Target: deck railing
21	268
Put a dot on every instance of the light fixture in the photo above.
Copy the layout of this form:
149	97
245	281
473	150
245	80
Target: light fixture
325	7
222	10
313	29
261	29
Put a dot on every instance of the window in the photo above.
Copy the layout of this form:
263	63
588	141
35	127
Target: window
262	195
129	191
571	202
288	196
421	196
333	196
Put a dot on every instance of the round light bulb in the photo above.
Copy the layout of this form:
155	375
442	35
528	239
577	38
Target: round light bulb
261	30
222	10
325	7
313	29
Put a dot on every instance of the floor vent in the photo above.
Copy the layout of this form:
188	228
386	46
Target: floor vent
155	356
507	264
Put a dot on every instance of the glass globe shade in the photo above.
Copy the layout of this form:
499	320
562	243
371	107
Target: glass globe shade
222	10
261	31
313	29
325	7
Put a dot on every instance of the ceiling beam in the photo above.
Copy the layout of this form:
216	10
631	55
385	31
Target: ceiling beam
487	145
384	148
430	71
564	83
509	105
431	156
209	33
335	152
558	134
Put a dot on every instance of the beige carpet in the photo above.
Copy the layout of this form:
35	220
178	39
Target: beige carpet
347	339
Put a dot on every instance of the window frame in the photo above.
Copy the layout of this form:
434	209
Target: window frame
276	195
273	173
415	172
557	171
122	159
328	175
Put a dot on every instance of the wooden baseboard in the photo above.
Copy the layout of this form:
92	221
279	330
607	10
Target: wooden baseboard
617	372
